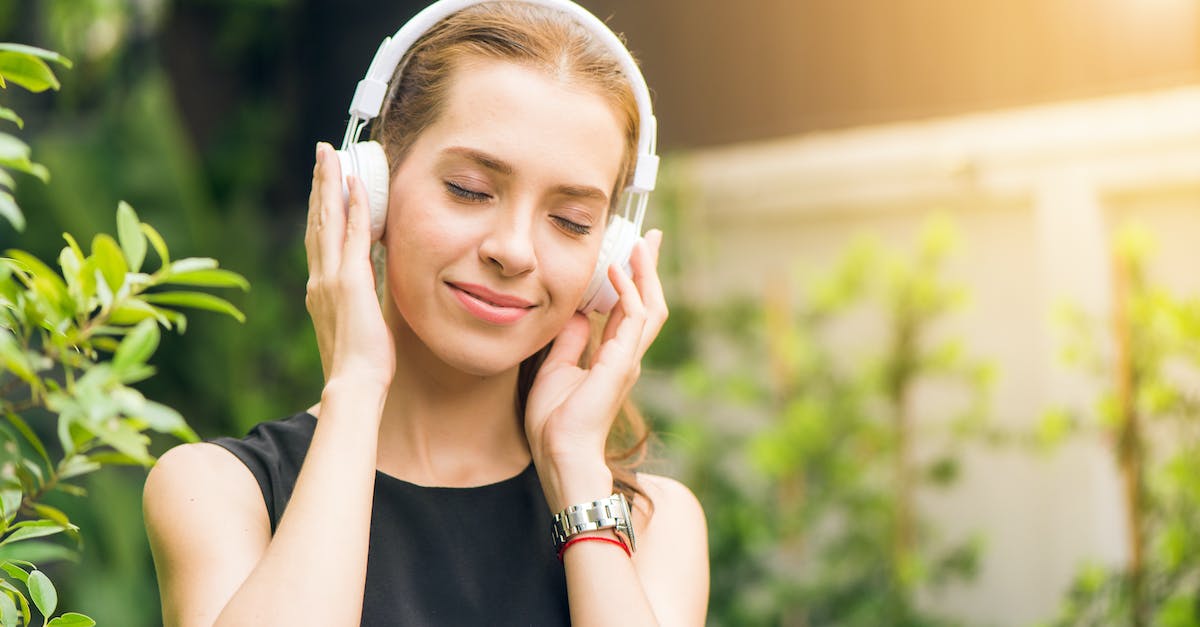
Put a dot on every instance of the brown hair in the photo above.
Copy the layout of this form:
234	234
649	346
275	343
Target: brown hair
550	41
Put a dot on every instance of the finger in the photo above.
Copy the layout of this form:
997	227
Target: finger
310	227
622	346
357	247
612	324
331	216
645	272
569	345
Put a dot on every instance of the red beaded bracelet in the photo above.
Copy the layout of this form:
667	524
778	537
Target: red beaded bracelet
568	543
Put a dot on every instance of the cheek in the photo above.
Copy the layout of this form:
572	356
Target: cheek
569	270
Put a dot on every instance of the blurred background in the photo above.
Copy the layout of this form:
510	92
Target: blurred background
934	353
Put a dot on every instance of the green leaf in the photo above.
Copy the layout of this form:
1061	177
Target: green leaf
32	529
136	373
13	150
14	358
76	465
133	240
41	53
25	614
74	245
11	116
156	240
133	311
8	611
10	502
45	597
14	571
36	268
11	212
164	419
52	514
210	278
113	458
176	318
110	260
137	347
197	300
80	274
71	619
23	428
126	440
192	264
14	154
27	70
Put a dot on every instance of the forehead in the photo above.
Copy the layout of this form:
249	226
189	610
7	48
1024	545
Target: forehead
543	125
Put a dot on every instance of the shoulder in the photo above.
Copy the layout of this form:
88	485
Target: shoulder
671	498
672	550
674	518
207	525
193	466
189	479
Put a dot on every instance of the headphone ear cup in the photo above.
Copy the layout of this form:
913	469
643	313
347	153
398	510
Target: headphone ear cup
619	238
368	162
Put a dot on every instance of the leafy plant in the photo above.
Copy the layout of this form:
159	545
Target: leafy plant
71	343
1149	414
825	529
25	66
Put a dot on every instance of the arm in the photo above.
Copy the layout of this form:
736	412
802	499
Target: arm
568	416
216	561
666	582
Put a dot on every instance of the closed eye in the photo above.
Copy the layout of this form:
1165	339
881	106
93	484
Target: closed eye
573	227
466	194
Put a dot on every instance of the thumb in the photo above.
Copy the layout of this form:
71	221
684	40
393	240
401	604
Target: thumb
568	346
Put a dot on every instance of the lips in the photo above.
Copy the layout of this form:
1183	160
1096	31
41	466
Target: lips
489	306
492	298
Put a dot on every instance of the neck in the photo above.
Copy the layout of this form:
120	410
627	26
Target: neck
444	427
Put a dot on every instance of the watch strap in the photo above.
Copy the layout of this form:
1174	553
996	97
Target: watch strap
607	513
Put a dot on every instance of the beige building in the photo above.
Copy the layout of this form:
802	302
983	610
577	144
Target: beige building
1038	126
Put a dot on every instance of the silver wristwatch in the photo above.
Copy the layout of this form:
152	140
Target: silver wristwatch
607	513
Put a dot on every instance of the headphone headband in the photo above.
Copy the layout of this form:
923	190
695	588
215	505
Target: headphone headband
372	89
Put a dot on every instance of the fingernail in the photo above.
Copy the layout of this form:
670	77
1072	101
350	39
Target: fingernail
655	236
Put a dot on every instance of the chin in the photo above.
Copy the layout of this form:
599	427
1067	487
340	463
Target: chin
480	351
484	357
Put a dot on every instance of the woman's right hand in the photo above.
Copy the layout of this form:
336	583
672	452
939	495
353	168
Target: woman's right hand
352	336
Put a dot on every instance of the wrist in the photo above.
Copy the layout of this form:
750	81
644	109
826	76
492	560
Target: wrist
342	389
595	520
569	482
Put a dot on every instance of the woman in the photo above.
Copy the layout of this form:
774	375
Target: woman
459	412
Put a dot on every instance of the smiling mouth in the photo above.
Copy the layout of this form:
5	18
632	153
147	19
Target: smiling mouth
495	299
489	306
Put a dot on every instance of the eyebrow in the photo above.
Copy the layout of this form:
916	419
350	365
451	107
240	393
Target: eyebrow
500	166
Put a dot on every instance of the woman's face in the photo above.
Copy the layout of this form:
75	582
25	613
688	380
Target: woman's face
496	215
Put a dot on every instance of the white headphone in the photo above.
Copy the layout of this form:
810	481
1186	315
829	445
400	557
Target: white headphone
367	161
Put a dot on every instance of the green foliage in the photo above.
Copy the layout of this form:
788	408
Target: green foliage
217	177
25	66
805	448
72	341
1149	409
71	344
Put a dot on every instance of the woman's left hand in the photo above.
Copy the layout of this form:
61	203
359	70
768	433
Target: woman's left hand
570	408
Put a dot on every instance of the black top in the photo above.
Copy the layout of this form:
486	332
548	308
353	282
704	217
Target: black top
438	556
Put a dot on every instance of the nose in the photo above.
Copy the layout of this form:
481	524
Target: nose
509	243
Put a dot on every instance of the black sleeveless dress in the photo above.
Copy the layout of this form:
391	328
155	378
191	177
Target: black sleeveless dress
438	556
